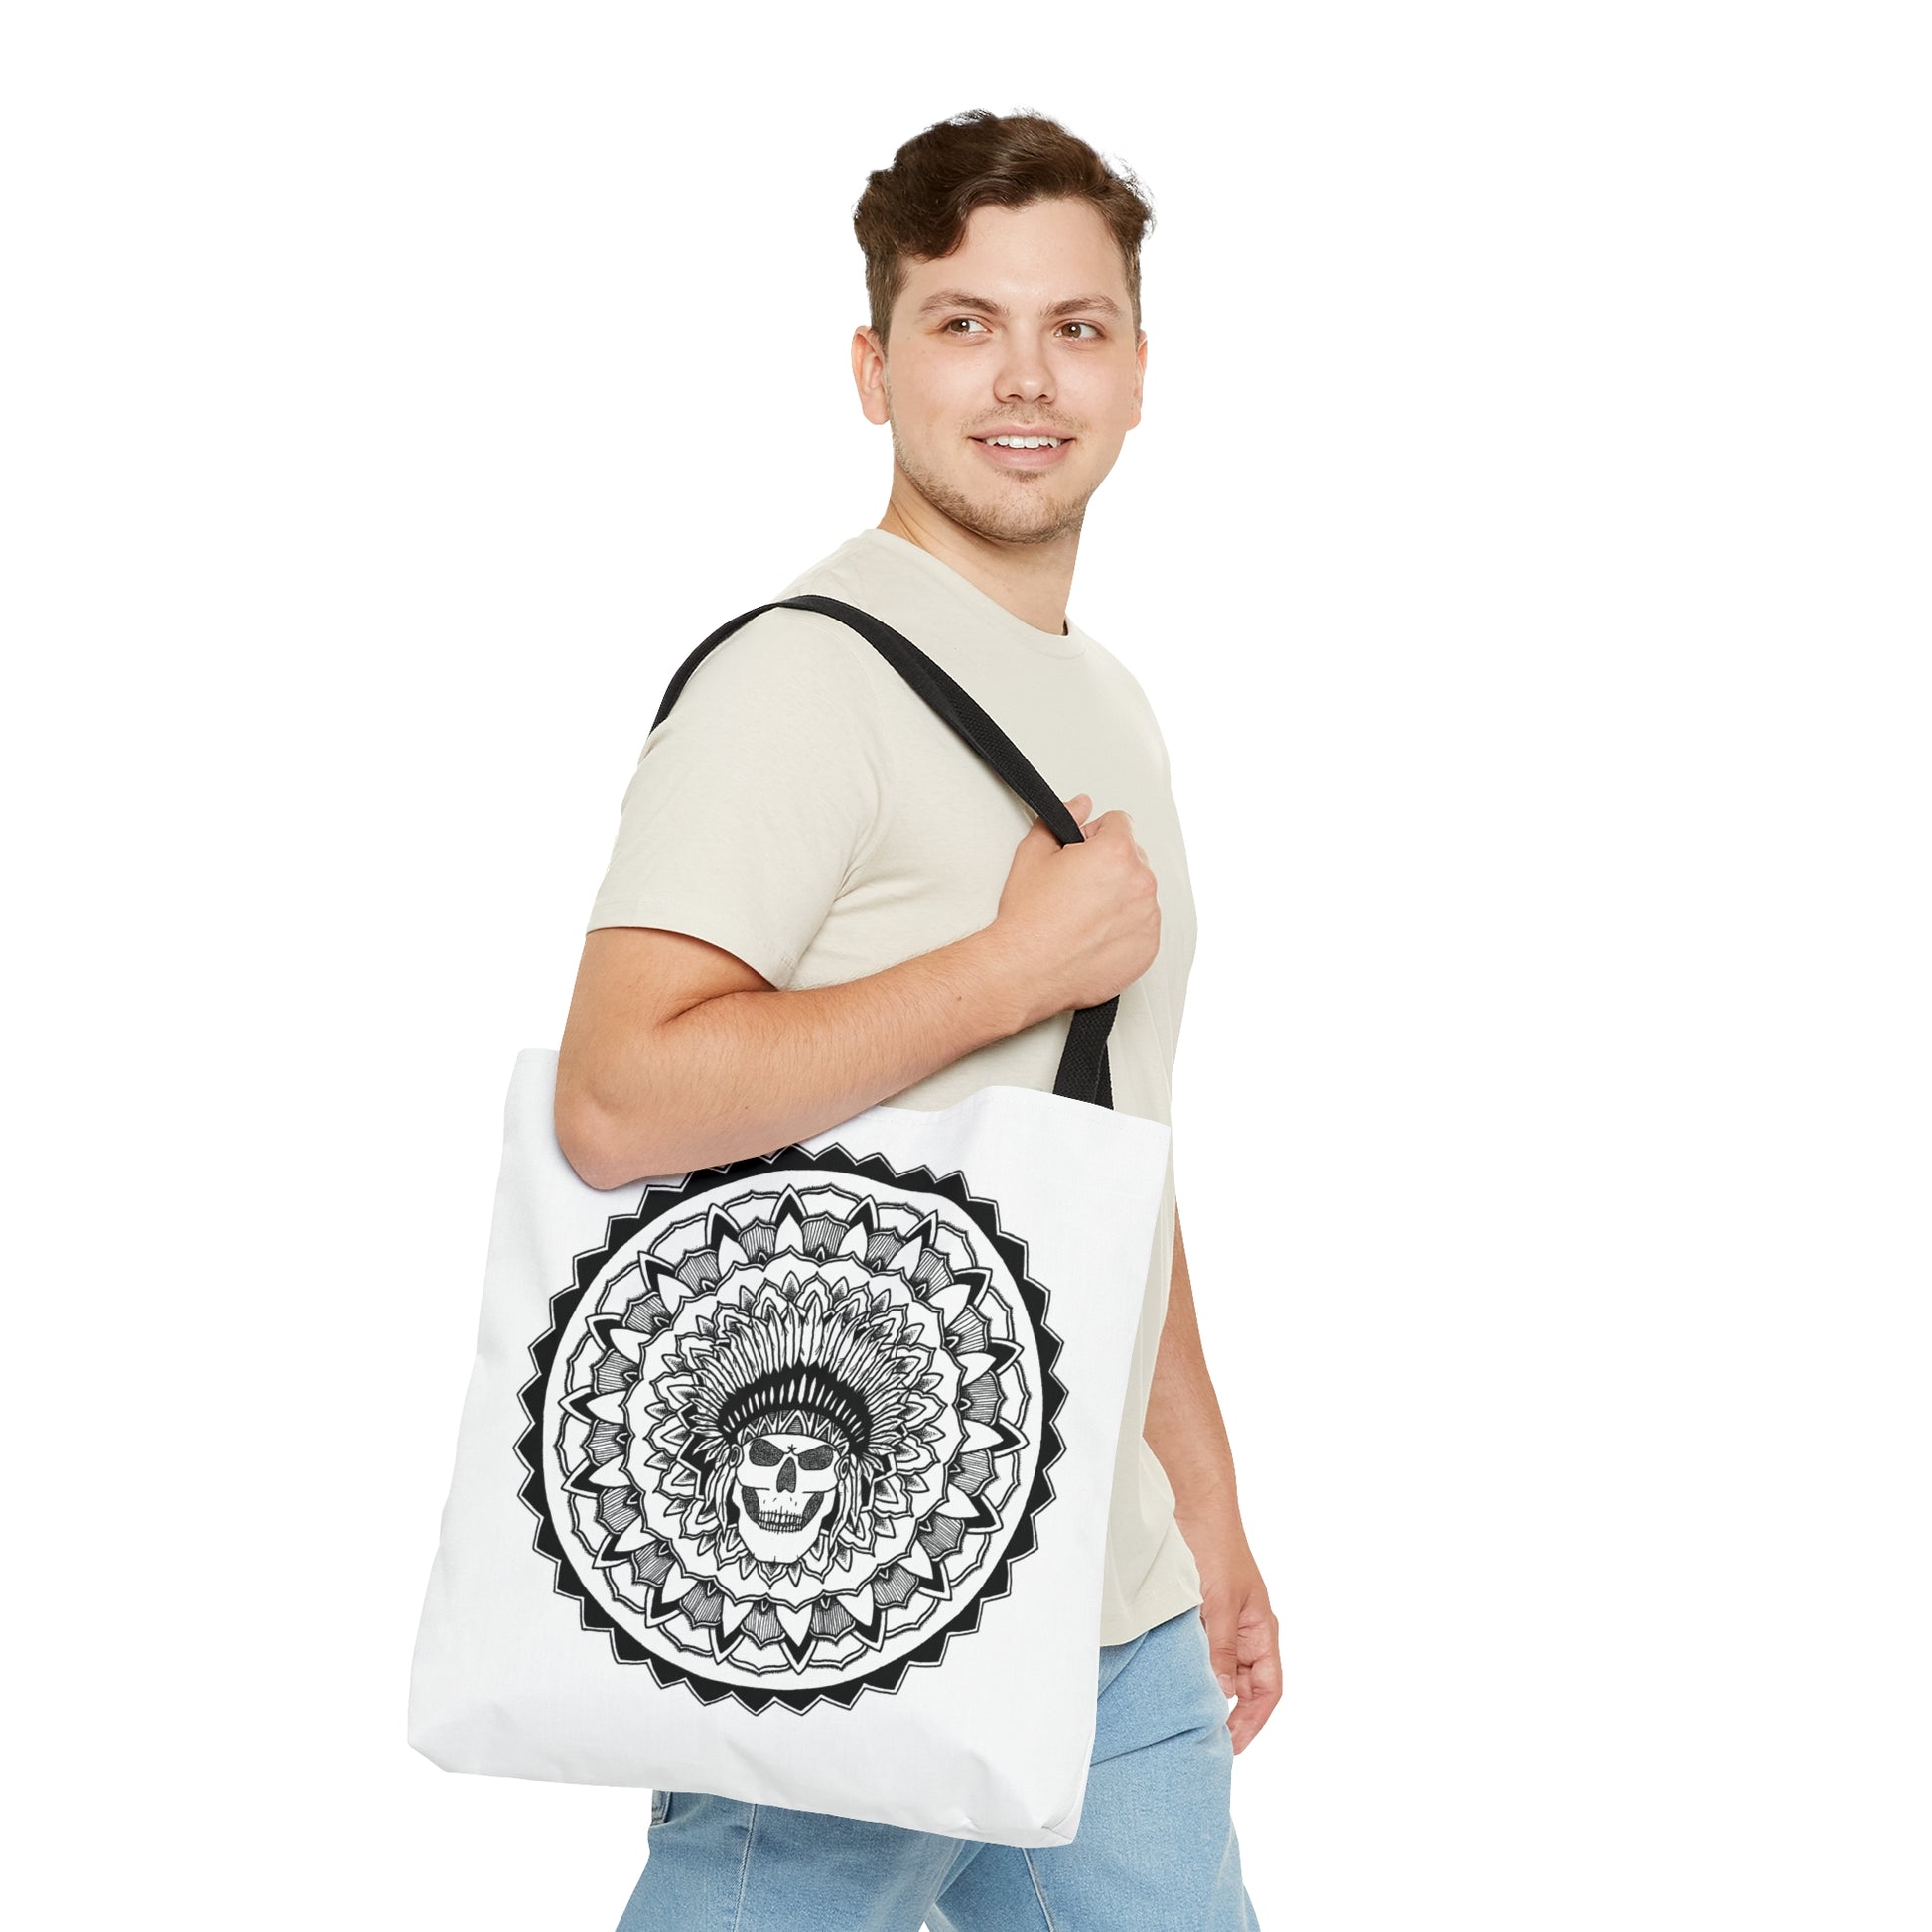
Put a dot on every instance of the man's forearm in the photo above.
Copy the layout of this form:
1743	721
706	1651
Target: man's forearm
1185	1429
748	1072
1184	1426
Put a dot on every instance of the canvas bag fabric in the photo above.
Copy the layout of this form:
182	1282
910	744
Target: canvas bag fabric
787	1478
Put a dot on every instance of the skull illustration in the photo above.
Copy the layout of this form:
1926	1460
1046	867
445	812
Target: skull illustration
784	1483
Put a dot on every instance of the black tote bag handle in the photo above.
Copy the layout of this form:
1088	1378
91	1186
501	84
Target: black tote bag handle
1083	1073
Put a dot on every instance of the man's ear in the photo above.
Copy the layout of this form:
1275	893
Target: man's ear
869	372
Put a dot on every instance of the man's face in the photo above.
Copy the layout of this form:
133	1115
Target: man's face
980	343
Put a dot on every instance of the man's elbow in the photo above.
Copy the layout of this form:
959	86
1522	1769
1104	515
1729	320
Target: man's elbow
604	1151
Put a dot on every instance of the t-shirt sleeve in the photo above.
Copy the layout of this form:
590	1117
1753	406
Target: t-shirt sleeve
758	795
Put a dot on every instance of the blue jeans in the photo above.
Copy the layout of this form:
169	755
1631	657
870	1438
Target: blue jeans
1154	1851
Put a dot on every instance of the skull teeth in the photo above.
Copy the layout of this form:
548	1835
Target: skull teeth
769	1513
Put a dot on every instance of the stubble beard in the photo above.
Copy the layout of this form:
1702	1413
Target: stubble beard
1028	514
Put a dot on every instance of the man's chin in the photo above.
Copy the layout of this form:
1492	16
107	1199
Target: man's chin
1037	518
1016	510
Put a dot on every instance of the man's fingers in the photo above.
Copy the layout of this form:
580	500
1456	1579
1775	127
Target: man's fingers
1261	1685
1250	1715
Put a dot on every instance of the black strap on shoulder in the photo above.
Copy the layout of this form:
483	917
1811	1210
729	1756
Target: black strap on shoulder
1083	1073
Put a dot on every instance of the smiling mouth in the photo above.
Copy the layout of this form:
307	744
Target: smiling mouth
1007	458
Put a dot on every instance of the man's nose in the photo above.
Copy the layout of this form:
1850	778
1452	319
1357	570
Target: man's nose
1026	375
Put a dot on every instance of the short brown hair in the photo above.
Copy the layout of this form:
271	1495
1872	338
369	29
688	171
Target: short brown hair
918	207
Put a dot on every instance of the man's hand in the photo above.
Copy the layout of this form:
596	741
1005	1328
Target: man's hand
1084	919
1243	1637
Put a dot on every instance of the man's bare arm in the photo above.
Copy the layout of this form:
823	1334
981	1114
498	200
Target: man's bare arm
1185	1429
1184	1426
677	1054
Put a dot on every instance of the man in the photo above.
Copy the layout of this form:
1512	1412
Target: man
819	899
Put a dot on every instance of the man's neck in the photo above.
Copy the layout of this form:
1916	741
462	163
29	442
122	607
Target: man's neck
1031	580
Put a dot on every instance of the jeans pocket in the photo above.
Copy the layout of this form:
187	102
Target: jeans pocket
660	1805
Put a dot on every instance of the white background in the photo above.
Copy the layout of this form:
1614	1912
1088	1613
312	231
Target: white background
1526	551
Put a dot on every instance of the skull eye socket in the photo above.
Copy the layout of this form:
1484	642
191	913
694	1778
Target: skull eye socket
761	1450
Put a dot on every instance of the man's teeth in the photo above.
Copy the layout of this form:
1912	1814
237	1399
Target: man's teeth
1025	442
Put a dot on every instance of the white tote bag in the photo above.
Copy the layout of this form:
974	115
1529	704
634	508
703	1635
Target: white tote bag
787	1480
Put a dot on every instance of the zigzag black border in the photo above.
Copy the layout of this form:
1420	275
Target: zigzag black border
653	1205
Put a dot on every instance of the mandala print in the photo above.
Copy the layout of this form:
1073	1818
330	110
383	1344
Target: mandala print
792	1427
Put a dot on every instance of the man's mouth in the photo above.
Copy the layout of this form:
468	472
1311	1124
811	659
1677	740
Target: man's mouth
1024	451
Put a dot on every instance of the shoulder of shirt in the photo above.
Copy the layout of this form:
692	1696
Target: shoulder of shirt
848	573
790	649
817	644
783	670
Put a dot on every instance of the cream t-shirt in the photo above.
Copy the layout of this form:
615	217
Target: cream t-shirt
804	809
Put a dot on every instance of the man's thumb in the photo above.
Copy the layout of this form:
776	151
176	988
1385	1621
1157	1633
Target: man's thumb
1079	805
1224	1655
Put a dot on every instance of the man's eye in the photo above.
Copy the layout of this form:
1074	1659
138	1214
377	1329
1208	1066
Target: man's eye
1095	326
964	319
